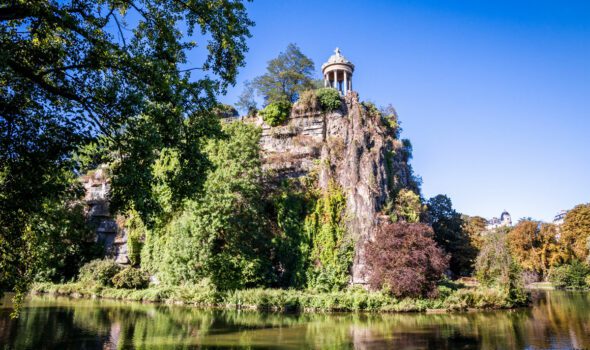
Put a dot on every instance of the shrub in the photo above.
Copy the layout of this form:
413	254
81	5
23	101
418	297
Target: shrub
404	259
572	276
131	278
99	272
408	206
329	99
276	113
308	101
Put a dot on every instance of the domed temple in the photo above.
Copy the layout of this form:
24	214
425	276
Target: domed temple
338	73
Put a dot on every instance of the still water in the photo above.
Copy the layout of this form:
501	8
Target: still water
558	320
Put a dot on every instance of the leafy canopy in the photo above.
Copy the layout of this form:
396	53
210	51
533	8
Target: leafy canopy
286	76
404	259
449	234
74	72
276	113
576	232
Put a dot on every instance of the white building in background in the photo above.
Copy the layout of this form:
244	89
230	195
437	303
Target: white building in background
559	217
504	220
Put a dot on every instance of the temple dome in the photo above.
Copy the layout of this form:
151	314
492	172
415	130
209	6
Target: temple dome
337	58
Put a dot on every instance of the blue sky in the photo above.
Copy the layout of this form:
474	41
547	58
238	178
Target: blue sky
495	95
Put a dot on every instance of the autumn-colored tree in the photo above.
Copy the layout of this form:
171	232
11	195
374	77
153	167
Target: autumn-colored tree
535	246
575	232
522	241
405	259
474	226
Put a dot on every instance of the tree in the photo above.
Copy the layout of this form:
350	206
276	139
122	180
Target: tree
247	102
220	234
535	246
404	259
474	226
67	79
496	268
522	240
448	233
287	76
575	232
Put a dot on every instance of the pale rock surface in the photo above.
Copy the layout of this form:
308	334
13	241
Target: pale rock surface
351	148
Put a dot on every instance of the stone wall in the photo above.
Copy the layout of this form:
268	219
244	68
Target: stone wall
109	233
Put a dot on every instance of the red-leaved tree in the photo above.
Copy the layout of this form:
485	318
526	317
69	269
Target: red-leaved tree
405	259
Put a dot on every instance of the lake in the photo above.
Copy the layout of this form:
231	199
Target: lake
557	320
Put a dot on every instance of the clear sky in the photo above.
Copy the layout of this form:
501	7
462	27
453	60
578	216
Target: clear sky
494	95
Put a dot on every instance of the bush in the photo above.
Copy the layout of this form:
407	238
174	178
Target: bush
276	113
572	276
99	272
308	101
329	99
131	278
405	260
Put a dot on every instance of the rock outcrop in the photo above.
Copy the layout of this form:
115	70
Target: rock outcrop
355	148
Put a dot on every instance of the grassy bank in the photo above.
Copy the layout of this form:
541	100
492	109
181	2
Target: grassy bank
290	300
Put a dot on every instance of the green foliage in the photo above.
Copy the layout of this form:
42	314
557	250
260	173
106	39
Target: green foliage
570	276
136	233
332	248
223	110
407	150
220	234
390	120
371	109
66	81
292	202
495	268
449	234
287	76
100	272
329	99
408	207
131	278
276	113
289	300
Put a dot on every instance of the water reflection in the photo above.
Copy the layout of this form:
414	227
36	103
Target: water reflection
558	320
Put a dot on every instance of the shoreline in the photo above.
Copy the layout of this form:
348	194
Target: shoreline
289	301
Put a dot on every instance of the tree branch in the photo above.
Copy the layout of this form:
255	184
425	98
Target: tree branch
14	12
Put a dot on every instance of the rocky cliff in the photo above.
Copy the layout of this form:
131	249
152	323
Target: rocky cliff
357	148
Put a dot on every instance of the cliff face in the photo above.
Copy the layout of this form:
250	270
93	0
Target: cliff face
355	148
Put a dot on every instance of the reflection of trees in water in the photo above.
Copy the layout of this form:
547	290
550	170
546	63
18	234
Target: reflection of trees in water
558	320
563	317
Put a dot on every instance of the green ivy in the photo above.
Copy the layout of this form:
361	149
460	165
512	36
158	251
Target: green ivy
292	202
332	248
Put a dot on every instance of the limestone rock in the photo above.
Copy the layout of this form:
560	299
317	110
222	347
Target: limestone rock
351	147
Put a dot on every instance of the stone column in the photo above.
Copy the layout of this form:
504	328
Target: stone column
345	85
335	79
